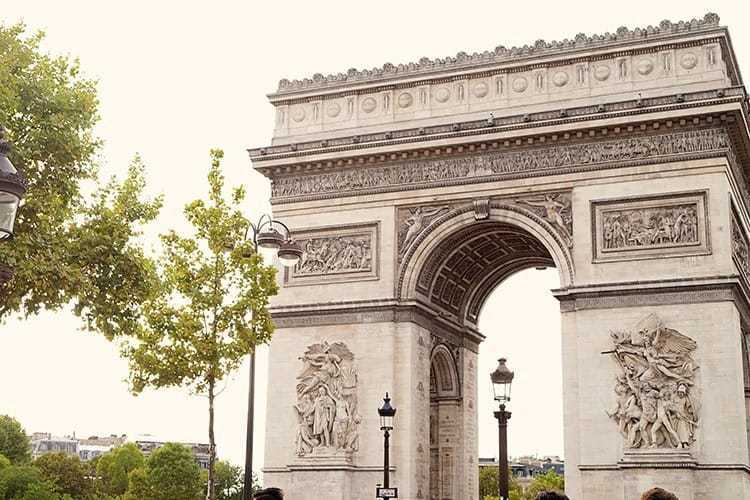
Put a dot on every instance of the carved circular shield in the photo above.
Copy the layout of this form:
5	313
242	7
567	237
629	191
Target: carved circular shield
645	67
333	110
298	114
520	84
602	72
369	104
405	100
560	79
442	95
481	89
689	61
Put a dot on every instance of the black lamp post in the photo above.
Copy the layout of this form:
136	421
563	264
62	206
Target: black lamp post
386	413
502	377
270	243
12	189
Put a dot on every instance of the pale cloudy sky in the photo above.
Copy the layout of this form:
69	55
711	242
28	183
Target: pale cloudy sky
178	78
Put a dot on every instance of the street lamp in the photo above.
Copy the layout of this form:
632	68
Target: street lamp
386	412
12	189
270	243
502	378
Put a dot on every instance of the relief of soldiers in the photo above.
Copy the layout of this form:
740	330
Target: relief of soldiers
653	408
326	406
650	227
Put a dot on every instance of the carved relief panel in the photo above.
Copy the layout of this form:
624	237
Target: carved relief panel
740	253
327	408
657	402
348	253
650	227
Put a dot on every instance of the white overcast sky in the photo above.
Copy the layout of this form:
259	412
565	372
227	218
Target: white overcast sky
178	78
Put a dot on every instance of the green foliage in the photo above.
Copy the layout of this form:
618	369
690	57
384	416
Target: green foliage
113	468
67	249
488	485
4	462
229	481
209	310
170	473
26	483
14	444
67	473
550	481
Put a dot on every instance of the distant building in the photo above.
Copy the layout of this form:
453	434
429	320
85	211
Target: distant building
201	451
95	446
44	442
525	468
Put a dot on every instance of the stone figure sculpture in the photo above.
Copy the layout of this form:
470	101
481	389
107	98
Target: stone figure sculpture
418	219
326	406
335	254
556	210
646	227
654	406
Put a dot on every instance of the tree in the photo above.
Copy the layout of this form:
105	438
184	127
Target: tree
229	480
67	250
170	473
112	469
14	444
67	473
25	483
488	485
210	309
550	481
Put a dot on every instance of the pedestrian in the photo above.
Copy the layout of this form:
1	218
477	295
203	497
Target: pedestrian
269	494
658	494
551	495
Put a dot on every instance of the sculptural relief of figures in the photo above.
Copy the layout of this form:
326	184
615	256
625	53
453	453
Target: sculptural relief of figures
555	209
654	407
418	219
327	413
335	254
647	227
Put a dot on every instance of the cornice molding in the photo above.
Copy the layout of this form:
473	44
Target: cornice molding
472	128
463	61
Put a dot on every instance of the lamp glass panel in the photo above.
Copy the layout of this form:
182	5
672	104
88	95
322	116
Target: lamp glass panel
268	254
288	260
8	209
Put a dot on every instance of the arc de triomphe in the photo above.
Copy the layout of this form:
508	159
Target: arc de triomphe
415	189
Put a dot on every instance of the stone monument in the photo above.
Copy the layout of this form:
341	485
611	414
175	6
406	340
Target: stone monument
415	189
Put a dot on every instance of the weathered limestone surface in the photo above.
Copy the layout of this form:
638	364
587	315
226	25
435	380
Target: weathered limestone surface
619	159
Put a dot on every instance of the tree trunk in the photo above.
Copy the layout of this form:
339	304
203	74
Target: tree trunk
210	494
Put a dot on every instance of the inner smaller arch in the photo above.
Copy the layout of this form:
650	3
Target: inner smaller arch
464	269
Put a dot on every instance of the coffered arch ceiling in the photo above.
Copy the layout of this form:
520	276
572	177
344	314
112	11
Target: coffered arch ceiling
463	269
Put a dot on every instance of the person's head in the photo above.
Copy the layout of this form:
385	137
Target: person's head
551	495
269	494
658	494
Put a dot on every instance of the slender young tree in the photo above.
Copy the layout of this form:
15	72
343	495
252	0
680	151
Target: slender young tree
209	310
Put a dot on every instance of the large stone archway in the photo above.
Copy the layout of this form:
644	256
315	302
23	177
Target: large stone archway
416	189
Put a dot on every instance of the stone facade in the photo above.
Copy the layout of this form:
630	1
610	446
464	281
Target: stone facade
618	159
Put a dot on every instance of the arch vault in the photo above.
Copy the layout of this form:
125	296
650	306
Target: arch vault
621	160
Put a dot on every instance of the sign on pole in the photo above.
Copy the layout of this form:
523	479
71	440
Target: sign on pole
386	492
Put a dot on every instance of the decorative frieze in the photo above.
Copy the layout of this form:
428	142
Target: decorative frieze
327	409
740	248
489	166
657	405
336	254
652	227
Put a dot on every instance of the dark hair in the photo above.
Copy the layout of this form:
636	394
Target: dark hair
658	494
269	494
551	495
